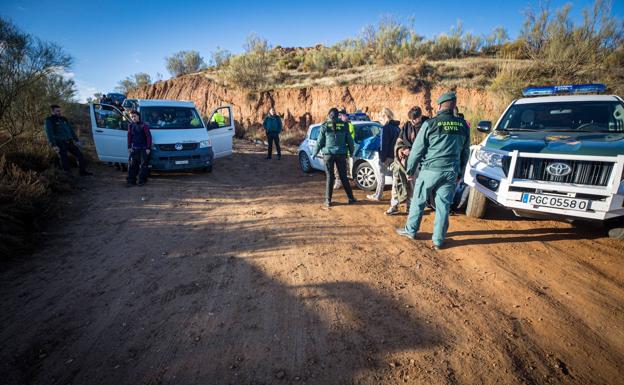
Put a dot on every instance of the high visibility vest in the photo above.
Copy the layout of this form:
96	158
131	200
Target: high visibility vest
219	119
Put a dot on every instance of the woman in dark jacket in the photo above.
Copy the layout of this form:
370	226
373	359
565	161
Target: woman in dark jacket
389	134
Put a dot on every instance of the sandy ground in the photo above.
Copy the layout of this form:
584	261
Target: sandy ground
240	277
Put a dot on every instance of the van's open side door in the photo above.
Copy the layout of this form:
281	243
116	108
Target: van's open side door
221	131
110	133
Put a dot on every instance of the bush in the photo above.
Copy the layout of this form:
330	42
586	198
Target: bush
184	62
27	186
418	77
250	71
134	82
562	51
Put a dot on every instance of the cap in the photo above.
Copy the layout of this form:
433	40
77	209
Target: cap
446	97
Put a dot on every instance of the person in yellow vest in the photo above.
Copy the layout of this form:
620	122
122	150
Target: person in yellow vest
345	118
218	119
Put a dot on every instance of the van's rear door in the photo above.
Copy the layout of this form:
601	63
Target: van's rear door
110	134
221	131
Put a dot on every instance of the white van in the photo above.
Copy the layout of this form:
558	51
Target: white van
180	138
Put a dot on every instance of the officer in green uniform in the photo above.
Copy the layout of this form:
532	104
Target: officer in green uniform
335	141
342	114
442	148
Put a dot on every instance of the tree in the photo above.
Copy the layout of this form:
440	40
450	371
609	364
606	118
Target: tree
31	76
220	57
134	82
184	62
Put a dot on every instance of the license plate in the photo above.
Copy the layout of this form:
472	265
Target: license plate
181	162
555	201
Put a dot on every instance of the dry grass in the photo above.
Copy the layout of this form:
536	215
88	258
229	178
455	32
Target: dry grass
28	184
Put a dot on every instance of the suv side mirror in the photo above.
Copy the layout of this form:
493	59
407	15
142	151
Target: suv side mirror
484	126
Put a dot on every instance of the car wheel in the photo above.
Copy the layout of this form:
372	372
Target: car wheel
207	169
304	162
365	178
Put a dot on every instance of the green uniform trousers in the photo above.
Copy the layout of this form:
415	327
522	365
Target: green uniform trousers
442	183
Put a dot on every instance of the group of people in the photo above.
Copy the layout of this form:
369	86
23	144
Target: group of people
63	140
426	157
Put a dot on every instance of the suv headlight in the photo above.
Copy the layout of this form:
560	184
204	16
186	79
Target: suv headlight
491	158
205	143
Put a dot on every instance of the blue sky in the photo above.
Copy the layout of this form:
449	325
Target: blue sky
112	40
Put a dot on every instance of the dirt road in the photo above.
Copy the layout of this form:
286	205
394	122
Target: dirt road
239	277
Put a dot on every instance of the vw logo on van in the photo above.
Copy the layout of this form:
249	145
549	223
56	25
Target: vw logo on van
558	169
178	146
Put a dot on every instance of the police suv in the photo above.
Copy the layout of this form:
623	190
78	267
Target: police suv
557	152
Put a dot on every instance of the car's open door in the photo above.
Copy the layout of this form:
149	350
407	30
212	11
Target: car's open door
221	131
110	133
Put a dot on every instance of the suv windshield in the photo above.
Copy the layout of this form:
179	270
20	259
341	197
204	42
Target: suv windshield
171	118
581	116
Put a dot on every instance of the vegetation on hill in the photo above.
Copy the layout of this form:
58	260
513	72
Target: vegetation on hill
551	48
32	73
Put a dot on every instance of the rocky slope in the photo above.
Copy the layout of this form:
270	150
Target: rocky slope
303	106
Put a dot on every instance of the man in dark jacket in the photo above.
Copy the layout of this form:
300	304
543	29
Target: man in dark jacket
273	126
389	134
64	140
335	142
139	145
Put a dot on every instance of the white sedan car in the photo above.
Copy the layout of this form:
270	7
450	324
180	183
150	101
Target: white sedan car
363	167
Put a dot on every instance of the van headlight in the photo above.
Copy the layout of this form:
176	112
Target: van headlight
205	143
491	158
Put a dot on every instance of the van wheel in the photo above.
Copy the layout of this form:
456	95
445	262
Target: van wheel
477	204
365	178
304	162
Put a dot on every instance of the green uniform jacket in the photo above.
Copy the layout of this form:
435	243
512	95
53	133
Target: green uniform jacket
272	124
442	144
58	130
334	139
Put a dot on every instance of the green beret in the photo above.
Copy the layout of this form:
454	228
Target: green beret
446	97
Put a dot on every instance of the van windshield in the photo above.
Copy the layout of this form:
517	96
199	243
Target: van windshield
171	118
581	116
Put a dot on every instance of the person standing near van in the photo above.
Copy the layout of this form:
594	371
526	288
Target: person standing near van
335	142
139	145
389	134
64	140
272	127
402	185
442	147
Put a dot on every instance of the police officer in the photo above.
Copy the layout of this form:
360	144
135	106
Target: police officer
64	140
442	147
273	127
342	114
335	141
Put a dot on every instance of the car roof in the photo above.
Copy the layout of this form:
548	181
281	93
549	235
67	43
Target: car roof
164	103
568	98
355	123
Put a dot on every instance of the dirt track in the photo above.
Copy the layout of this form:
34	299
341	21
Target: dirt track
239	277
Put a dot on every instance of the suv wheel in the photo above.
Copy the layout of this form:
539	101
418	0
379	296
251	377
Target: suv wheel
365	178
304	162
